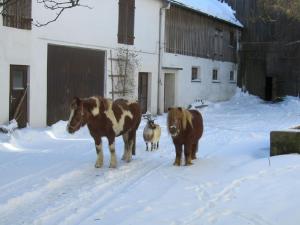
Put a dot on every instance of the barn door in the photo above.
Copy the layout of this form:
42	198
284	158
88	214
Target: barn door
18	94
143	91
169	91
72	72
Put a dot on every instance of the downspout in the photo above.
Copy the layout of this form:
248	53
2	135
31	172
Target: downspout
166	5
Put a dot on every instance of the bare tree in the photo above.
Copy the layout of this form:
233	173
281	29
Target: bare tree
58	6
272	8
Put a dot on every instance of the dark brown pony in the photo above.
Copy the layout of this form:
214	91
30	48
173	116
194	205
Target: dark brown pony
105	118
185	128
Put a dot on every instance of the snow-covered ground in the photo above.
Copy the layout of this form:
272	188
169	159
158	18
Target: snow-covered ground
48	176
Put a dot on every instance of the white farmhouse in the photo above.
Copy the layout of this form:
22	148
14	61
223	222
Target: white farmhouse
186	50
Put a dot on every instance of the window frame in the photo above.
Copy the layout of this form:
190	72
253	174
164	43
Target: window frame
18	14
213	74
198	75
231	39
126	22
233	73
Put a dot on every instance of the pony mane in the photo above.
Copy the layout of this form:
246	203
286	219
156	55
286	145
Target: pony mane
182	114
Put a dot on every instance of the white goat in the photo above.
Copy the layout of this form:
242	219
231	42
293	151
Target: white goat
151	134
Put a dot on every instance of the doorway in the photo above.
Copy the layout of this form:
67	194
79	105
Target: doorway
72	72
143	91
269	89
18	109
169	92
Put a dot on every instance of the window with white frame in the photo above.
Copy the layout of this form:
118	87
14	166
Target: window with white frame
196	74
215	75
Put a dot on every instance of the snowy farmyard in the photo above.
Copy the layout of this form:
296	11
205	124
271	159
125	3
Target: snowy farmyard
48	176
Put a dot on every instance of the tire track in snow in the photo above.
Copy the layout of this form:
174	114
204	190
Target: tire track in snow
35	180
72	195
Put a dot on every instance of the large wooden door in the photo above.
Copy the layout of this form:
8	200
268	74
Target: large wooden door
72	72
169	93
143	91
18	94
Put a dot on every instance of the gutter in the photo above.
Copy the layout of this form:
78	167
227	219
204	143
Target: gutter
166	5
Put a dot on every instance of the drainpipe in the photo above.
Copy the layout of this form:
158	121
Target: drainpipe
166	5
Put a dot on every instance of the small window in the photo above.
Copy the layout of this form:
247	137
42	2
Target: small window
18	80
196	74
231	38
231	77
215	75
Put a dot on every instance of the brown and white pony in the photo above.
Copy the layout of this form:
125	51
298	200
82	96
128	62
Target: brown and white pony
105	118
185	128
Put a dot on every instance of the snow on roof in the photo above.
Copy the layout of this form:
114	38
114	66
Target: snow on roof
213	8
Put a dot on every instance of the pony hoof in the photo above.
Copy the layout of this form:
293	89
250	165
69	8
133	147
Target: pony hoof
97	165
188	164
176	164
113	166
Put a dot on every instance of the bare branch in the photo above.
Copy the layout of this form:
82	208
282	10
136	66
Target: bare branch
58	6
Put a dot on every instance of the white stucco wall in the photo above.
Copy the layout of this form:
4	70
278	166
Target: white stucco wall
95	28
187	91
14	50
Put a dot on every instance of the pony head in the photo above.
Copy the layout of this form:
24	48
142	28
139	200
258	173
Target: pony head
178	118
77	116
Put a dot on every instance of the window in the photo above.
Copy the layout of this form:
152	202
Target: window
17	14
215	75
231	78
196	74
231	39
126	22
218	42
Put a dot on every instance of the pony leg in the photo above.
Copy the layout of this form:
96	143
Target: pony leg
178	155
157	145
99	151
130	149
146	146
131	145
188	154
194	151
134	143
113	158
126	146
99	161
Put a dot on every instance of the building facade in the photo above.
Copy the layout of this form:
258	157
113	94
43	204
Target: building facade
43	68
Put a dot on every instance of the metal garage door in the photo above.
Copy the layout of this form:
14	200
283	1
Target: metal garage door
72	72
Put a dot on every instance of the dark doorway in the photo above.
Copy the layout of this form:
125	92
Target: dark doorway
72	72
18	95
269	89
143	91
